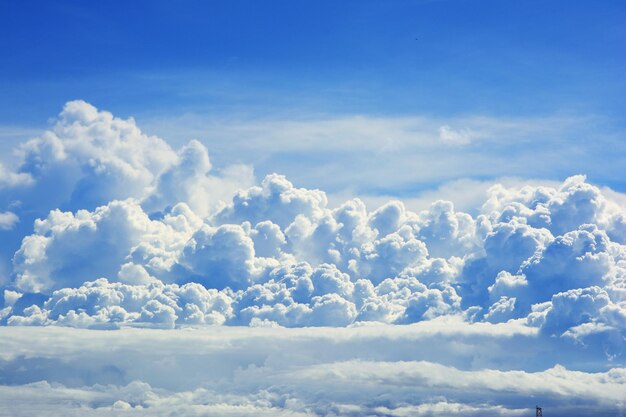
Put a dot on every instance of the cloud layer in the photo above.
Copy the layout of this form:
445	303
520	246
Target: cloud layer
377	370
104	227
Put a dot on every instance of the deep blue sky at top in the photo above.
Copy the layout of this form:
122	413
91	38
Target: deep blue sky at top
261	58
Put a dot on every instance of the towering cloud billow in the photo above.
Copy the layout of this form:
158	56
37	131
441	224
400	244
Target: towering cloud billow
130	210
90	158
104	227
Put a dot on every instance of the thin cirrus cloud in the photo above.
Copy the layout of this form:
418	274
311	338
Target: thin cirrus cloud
298	303
404	155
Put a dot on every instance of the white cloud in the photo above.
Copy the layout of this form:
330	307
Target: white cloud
8	219
10	179
68	249
452	136
276	200
189	180
367	155
390	265
130	233
224	257
89	158
369	370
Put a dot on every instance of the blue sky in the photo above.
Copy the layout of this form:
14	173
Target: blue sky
223	65
487	57
289	208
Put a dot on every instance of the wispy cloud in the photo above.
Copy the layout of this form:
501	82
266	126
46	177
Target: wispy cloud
404	155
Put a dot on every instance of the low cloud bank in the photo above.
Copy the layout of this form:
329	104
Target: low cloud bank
440	367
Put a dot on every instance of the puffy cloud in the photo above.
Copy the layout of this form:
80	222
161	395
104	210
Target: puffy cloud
576	259
389	256
559	210
505	247
68	249
189	180
8	220
10	179
299	295
276	200
446	232
322	266
574	307
388	218
292	296
502	310
104	304
406	300
268	239
90	158
108	228
223	256
587	315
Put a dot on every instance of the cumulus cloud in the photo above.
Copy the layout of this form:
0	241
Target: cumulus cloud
104	227
90	158
276	200
10	179
8	219
68	249
394	265
189	180
292	261
574	203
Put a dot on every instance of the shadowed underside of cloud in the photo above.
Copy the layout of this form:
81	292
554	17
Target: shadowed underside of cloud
104	227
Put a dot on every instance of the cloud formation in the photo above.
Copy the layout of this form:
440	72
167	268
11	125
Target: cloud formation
104	227
280	254
90	158
378	370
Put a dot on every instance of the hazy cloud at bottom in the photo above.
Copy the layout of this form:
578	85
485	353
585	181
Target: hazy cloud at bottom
441	367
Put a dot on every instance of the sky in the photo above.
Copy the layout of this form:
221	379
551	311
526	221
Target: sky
547	75
294	208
